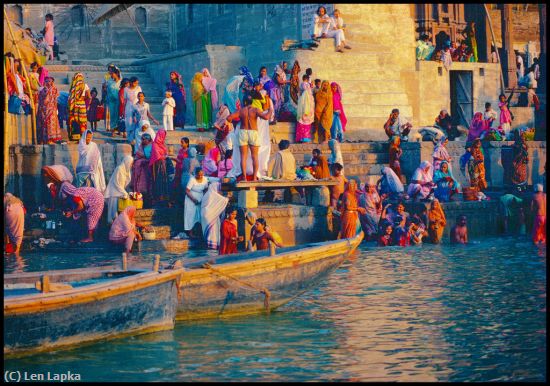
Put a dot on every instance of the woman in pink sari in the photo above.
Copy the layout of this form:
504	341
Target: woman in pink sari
477	128
157	163
47	124
123	230
339	122
210	162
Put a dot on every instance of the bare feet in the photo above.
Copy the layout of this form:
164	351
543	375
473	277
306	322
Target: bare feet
87	240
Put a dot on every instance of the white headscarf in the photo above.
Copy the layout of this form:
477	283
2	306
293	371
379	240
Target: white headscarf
90	161
120	179
394	182
139	133
421	175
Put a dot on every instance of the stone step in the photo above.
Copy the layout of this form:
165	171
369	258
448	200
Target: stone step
371	73
375	99
370	86
91	68
368	110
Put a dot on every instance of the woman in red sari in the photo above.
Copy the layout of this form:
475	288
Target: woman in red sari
47	122
350	207
229	235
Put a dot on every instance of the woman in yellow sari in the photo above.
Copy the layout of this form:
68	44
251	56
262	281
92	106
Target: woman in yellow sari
202	103
323	113
78	118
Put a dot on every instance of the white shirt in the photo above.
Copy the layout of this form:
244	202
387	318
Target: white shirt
169	105
336	22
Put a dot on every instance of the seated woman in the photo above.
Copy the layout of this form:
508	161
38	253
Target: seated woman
89	170
210	162
447	185
262	237
144	128
390	185
123	230
229	233
117	186
194	193
421	185
141	172
85	199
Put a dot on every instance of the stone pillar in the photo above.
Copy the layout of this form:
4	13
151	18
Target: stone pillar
509	57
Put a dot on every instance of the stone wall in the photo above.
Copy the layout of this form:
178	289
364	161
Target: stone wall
483	217
497	160
222	61
297	224
116	38
25	164
525	24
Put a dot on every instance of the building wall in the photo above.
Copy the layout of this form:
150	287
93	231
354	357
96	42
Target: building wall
432	91
116	38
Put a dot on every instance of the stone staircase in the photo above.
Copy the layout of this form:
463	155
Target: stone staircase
360	159
370	74
94	76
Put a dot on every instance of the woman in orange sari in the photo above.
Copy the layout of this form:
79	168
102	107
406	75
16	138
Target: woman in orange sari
350	207
437	221
323	113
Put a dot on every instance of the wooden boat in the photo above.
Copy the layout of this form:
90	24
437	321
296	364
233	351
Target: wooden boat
258	281
85	305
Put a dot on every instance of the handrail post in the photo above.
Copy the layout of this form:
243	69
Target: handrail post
156	263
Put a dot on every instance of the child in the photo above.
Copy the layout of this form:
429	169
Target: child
337	190
416	232
168	111
317	86
489	116
400	234
92	109
226	164
49	35
459	233
385	240
505	114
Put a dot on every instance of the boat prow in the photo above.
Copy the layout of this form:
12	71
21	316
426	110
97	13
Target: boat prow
85	305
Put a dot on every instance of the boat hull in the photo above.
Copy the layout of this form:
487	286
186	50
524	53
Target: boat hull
140	304
240	287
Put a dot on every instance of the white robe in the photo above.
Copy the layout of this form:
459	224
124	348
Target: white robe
263	152
117	186
90	157
192	211
212	206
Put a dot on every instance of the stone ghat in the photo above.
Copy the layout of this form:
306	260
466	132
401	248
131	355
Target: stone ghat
360	159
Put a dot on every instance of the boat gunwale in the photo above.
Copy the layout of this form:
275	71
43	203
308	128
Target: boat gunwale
42	302
284	259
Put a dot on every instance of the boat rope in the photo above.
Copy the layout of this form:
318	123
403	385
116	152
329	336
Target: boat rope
245	285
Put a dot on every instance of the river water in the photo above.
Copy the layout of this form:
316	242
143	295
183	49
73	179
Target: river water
431	313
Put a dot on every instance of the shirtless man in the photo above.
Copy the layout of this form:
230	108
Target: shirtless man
538	207
459	233
248	135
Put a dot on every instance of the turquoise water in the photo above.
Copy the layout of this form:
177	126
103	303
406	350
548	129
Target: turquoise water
435	313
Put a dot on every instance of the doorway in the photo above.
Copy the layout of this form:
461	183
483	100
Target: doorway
462	105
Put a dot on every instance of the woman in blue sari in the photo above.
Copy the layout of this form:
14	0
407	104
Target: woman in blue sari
178	93
447	185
